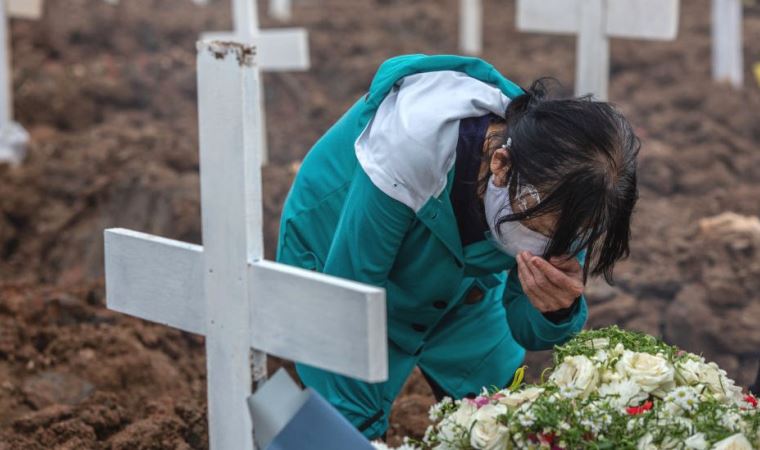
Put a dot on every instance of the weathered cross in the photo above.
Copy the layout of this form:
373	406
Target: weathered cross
471	26
727	57
225	289
280	49
13	137
595	22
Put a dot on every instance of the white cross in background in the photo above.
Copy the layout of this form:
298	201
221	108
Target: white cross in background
595	22
471	26
280	9
727	57
224	289
13	137
280	49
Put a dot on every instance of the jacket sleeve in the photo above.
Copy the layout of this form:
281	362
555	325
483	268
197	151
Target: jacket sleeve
530	328
369	233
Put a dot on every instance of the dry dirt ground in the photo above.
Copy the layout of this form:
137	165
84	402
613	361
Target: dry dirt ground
108	95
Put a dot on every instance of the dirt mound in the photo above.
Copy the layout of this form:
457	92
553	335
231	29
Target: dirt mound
108	95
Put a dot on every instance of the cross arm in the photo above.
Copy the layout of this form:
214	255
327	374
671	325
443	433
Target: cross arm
319	320
155	279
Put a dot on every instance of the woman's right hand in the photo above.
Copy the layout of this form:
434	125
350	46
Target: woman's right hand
550	286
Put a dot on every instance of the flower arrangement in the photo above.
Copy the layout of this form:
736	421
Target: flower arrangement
609	389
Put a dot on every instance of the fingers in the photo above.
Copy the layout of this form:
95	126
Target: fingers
547	287
566	264
537	296
556	277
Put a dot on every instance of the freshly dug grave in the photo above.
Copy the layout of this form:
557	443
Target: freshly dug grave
108	95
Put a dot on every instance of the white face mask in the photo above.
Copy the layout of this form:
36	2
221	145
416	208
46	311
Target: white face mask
511	237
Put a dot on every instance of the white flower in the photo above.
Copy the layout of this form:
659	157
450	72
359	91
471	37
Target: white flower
696	442
623	393
735	442
685	397
651	372
517	398
692	372
599	343
488	433
646	443
453	426
436	411
578	374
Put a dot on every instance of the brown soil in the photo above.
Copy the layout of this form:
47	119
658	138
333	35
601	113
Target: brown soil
108	95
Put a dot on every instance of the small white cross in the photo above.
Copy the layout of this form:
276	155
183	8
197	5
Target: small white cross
280	9
13	137
471	26
281	49
595	22
225	289
727	57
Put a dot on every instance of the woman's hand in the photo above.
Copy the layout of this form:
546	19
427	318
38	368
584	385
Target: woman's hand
550	285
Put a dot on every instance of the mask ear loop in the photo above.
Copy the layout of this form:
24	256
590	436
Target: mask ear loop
523	191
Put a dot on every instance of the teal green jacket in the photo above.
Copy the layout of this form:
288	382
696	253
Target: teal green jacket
336	221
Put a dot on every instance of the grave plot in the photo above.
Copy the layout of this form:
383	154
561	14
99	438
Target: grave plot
106	150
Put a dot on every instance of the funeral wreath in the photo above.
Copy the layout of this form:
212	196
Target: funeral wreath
608	389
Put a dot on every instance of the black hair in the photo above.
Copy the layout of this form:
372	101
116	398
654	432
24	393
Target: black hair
581	155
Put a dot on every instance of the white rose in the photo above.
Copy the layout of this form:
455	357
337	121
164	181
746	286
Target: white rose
515	399
380	446
735	442
487	432
646	443
578	374
650	372
692	372
456	424
697	442
623	393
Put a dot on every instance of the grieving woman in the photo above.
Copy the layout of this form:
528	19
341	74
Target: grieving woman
480	207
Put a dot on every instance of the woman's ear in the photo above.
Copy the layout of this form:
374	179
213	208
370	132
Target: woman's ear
500	164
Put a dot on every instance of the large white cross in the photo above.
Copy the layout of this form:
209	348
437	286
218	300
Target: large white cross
13	137
225	289
727	57
595	22
280	49
471	26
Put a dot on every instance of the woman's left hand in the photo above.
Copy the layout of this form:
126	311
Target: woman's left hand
550	286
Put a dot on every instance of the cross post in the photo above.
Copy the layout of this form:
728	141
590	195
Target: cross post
224	289
281	49
595	21
471	26
281	10
727	57
13	137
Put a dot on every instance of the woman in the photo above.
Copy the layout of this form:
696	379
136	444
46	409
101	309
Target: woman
473	203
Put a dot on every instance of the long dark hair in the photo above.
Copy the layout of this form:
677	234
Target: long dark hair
581	155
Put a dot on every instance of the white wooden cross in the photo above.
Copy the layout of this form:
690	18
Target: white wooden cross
471	26
13	137
280	9
280	49
225	289
595	22
727	57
